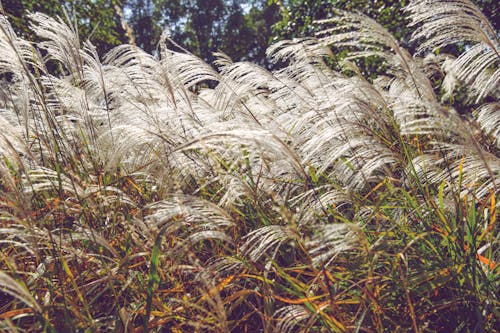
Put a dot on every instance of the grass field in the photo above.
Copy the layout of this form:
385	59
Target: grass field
164	194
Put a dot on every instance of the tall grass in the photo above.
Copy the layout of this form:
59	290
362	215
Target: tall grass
143	193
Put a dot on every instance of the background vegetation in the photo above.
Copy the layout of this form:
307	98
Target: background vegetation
243	29
346	183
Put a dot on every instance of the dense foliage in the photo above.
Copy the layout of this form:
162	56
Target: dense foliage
98	20
243	29
144	192
299	15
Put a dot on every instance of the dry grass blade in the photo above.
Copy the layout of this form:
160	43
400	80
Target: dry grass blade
12	287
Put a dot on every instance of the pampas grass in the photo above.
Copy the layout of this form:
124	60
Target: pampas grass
143	193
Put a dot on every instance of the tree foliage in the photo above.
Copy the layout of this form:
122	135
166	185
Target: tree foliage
241	29
299	15
96	20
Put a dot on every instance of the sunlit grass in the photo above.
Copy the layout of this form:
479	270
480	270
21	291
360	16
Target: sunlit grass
160	194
